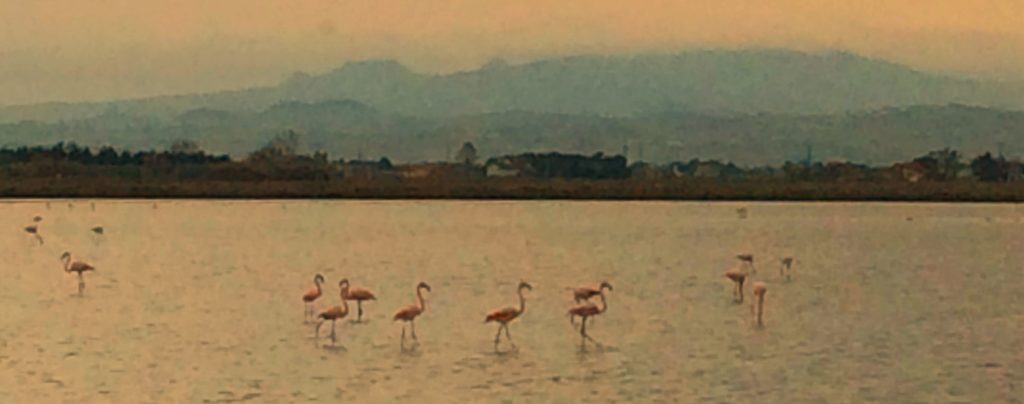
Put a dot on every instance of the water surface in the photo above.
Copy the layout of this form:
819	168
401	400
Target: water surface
199	301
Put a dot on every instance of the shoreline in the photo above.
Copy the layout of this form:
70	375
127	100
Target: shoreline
520	189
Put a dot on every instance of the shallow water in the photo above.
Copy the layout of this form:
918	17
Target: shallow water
198	301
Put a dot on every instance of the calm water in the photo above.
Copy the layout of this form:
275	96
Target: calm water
200	301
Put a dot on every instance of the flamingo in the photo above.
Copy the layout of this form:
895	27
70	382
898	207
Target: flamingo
586	311
506	315
334	314
78	267
786	268
357	294
410	312
748	259
759	291
583	293
34	230
311	295
737	276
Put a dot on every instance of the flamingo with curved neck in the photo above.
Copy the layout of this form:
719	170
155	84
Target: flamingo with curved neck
334	314
506	315
410	312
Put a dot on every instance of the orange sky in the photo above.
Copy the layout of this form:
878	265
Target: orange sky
95	49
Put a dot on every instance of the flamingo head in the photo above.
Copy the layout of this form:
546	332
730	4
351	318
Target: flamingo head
65	256
343	283
606	285
423	285
524	285
787	261
32	229
318	278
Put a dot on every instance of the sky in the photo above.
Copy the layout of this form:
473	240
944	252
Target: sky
56	50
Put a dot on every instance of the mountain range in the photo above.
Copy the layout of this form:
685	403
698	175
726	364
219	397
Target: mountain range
748	106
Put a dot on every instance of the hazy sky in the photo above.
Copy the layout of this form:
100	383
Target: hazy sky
96	49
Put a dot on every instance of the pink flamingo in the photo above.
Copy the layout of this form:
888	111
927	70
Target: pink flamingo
357	294
334	314
586	311
506	315
77	267
410	312
311	295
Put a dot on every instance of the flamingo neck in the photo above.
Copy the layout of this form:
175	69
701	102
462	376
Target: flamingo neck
760	307
522	302
344	305
316	281
67	264
604	304
419	296
344	291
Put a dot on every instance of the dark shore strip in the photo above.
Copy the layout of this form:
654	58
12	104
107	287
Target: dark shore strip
523	189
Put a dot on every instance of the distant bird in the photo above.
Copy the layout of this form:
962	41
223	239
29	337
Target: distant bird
737	276
334	314
506	315
410	312
586	311
742	212
786	268
98	230
77	267
92	205
759	291
585	292
37	219
357	294
311	295
748	260
34	230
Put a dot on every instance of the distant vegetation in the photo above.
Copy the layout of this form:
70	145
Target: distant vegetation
278	170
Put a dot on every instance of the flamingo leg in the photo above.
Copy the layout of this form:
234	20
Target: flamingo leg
412	324
359	303
497	336
333	338
81	283
318	328
403	334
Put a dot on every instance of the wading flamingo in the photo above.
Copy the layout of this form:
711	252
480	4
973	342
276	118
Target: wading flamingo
759	291
357	294
311	295
506	315
583	293
334	314
586	311
786	268
77	267
34	230
737	276
748	260
410	312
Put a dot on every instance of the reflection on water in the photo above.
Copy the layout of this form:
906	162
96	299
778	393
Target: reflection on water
200	302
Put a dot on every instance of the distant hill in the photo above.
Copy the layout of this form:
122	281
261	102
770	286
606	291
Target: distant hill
348	129
711	81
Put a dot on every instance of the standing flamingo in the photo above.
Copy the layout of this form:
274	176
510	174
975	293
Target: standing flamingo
737	276
410	312
585	292
506	315
748	260
786	268
34	230
357	294
311	295
334	314
759	291
78	267
586	311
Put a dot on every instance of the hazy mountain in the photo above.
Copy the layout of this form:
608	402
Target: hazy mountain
716	81
348	129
